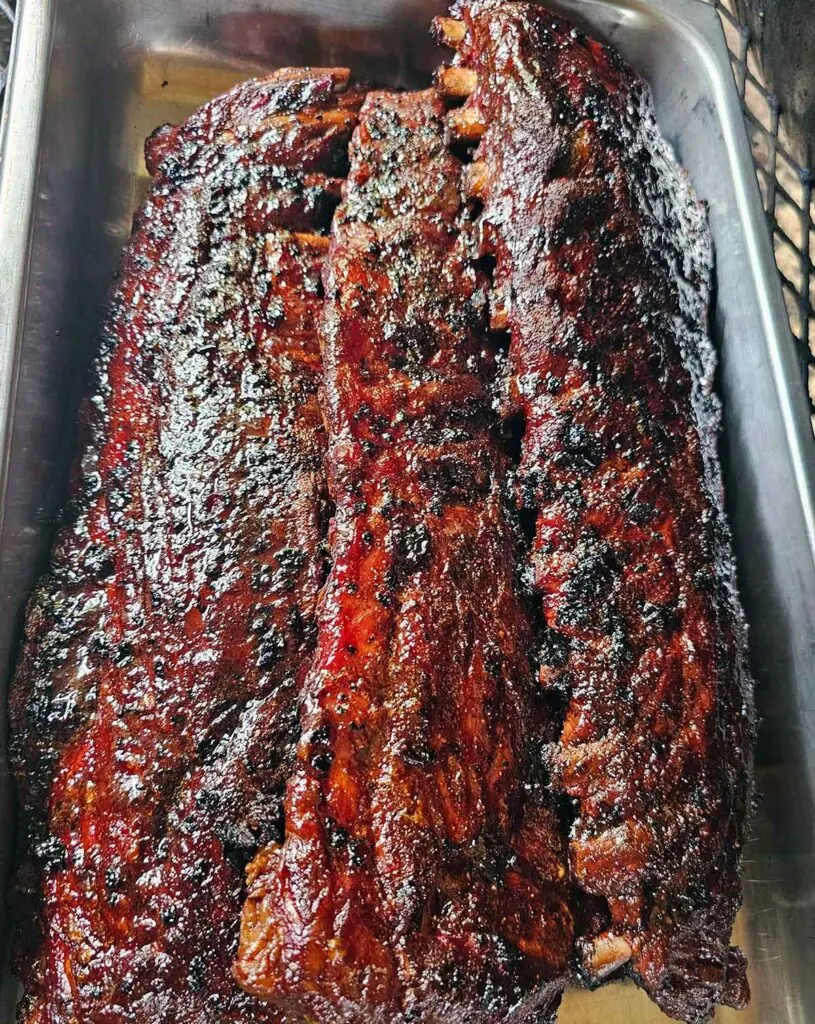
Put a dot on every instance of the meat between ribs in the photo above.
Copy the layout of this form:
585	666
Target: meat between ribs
422	871
602	277
180	604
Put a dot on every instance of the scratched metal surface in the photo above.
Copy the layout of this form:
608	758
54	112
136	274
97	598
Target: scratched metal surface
118	69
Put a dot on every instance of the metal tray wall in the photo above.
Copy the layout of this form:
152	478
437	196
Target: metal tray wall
118	69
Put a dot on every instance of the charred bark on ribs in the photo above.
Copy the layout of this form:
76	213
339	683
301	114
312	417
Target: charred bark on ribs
422	874
179	609
177	651
602	277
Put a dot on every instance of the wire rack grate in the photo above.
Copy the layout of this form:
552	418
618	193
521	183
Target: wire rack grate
786	186
6	25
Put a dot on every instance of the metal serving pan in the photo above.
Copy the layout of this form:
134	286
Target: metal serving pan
91	79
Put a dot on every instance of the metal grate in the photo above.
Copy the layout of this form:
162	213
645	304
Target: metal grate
6	23
786	187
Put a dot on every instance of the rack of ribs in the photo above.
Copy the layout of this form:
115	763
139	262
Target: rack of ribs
602	278
422	874
179	610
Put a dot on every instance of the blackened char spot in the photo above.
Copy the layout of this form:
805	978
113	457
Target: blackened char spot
553	648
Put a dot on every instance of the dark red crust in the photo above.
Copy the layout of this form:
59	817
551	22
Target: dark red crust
422	873
179	608
603	263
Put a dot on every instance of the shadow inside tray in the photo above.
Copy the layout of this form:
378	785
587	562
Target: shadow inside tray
399	52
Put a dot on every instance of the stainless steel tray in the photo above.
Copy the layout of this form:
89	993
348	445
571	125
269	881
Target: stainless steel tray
77	115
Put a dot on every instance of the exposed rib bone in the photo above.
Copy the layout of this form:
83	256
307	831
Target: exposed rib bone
499	313
466	125
608	953
340	77
456	83
449	31
486	237
476	179
317	243
337	116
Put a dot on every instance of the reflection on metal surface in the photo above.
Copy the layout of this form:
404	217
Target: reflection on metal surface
121	68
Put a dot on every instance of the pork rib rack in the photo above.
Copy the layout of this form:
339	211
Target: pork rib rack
179	609
602	276
422	875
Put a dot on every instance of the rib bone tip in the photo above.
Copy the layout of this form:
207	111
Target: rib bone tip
308	240
608	953
340	79
449	31
466	124
456	83
499	315
476	179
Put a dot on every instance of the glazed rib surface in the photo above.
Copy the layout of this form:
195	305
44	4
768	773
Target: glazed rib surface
602	278
179	609
422	871
462	766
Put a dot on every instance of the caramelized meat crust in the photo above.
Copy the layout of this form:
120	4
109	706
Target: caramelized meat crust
180	606
462	766
422	874
602	278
